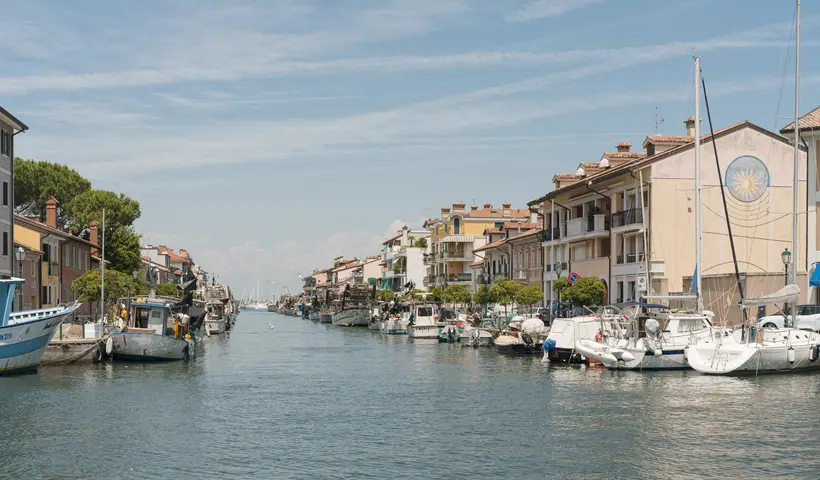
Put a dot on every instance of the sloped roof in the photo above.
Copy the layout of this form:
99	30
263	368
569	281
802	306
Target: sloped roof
809	121
521	225
42	227
497	243
498	213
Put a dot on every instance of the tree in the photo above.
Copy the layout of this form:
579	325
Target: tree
386	295
36	181
585	292
560	285
417	294
167	290
484	296
88	286
456	294
437	294
122	249
420	243
530	295
120	210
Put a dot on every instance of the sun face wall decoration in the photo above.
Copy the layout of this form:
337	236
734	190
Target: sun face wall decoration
747	178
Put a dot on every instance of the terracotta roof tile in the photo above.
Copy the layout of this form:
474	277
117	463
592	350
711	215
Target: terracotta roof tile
809	121
624	144
491	245
499	213
590	165
521	225
667	139
528	233
567	176
625	154
491	231
477	263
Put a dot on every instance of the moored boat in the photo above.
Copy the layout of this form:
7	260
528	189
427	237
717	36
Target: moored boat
153	334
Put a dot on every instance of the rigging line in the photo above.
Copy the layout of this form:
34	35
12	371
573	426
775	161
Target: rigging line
722	192
785	67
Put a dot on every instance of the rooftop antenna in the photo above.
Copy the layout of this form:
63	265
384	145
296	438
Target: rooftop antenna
658	120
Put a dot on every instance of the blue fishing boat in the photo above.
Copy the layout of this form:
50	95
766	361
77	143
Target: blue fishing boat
24	335
154	334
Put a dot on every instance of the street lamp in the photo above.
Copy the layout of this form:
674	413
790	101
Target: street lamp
20	255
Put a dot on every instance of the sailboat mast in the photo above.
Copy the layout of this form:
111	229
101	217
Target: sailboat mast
793	278
698	218
102	275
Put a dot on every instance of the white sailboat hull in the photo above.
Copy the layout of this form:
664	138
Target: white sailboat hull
352	317
394	326
731	356
148	347
23	342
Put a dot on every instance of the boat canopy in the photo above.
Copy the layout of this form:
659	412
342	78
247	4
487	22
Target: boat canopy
814	281
787	294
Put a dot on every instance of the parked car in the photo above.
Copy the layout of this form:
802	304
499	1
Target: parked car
808	318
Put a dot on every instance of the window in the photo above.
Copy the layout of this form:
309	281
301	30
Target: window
44	294
457	226
5	194
5	243
5	143
67	256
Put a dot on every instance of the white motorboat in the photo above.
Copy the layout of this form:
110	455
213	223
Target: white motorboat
422	322
375	318
24	335
475	337
395	324
215	324
564	333
149	335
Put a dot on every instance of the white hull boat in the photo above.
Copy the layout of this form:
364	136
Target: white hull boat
772	351
24	338
215	326
394	325
352	317
476	337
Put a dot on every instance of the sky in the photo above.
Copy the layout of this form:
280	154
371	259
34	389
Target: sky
268	137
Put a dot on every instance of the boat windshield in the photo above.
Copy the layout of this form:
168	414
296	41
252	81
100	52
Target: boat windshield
424	311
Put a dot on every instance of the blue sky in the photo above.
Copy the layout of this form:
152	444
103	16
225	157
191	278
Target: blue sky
269	137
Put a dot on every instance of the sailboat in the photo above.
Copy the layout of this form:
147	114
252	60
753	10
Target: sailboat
256	304
620	344
778	350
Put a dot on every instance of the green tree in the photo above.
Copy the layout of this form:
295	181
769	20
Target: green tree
484	296
120	210
36	181
167	290
122	249
585	292
420	243
456	294
559	285
529	295
386	295
417	294
88	286
437	294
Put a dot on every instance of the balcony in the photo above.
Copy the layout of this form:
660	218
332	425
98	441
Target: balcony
455	278
627	217
630	258
549	235
527	274
589	226
430	259
458	256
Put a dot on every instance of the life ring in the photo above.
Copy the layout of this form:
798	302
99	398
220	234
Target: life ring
599	337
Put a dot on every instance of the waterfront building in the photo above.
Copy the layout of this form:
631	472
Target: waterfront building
403	259
629	219
9	127
456	235
508	248
28	298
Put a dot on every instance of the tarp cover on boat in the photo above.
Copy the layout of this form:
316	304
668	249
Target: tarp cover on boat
814	281
787	294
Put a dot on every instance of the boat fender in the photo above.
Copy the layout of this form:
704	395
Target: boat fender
658	352
549	345
686	353
527	339
790	354
814	353
98	354
109	346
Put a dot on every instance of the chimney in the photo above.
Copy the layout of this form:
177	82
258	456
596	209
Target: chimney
624	146
51	212
404	237
93	235
458	207
473	208
690	126
506	206
445	212
488	205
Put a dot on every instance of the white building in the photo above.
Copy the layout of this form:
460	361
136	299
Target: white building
403	259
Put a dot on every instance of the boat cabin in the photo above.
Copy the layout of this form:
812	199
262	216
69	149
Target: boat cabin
150	317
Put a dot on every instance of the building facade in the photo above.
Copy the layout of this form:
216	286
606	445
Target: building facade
456	235
403	259
637	215
9	127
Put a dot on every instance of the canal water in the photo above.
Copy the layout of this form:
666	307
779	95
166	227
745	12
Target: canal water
306	400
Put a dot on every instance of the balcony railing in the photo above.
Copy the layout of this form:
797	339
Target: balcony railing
550	234
456	277
627	217
430	259
458	256
630	258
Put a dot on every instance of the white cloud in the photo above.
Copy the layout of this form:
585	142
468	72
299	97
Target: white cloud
548	8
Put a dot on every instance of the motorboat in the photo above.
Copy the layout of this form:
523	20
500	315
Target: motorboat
24	335
422	322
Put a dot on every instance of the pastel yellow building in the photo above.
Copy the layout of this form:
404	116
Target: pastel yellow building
455	236
629	219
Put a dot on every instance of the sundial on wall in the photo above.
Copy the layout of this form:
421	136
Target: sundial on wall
747	178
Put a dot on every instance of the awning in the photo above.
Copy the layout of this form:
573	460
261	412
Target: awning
814	281
787	294
457	239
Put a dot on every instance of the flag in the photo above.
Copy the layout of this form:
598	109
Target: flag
694	286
